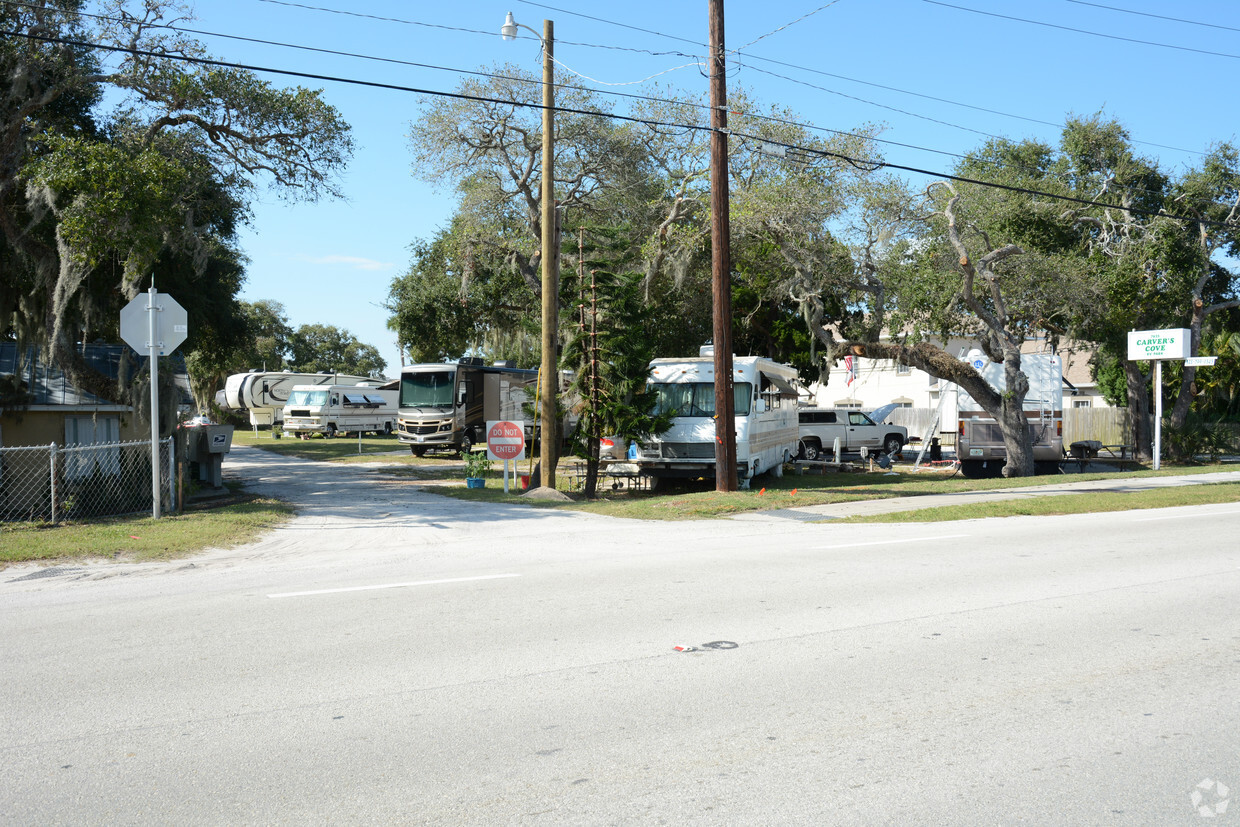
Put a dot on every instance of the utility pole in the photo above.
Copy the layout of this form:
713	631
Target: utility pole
549	438
721	264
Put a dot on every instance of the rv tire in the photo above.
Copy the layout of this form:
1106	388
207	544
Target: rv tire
330	433
417	450
467	444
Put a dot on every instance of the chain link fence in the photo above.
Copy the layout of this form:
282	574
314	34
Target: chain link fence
53	483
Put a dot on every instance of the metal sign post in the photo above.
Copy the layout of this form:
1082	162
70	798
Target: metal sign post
505	441
163	329
1157	345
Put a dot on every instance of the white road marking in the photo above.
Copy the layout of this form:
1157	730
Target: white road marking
890	542
394	585
1183	516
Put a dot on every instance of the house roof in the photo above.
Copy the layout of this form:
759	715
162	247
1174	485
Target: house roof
48	385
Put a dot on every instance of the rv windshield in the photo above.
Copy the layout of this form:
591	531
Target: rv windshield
308	397
697	398
427	389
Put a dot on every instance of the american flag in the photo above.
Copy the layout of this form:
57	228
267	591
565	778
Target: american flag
851	371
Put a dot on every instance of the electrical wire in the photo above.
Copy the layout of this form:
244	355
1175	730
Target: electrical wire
497	76
1156	16
857	162
1082	31
753	57
805	16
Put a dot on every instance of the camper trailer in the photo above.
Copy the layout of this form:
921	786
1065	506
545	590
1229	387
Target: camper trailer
264	394
767	430
446	406
979	440
339	409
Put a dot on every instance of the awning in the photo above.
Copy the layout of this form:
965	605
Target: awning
785	389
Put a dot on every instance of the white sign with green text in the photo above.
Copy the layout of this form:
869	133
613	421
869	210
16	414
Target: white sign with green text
1175	343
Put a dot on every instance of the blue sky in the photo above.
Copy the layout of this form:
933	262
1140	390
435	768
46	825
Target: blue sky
940	77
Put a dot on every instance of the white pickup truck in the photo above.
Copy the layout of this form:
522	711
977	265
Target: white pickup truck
820	427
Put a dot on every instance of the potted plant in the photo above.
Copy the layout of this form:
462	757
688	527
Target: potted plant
476	466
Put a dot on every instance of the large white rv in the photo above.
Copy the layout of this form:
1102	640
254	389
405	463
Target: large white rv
339	409
446	406
264	394
765	400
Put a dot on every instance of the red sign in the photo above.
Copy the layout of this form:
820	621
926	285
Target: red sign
505	439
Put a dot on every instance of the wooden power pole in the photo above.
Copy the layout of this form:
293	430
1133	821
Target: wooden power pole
721	264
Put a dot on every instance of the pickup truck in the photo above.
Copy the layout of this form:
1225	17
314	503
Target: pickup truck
820	427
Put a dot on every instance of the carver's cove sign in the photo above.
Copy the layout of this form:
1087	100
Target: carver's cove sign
1175	343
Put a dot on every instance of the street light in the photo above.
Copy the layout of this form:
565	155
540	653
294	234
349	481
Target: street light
550	253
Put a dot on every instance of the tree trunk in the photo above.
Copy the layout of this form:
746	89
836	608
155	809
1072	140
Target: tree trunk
1017	440
1139	410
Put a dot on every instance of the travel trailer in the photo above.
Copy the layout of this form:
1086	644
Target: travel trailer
979	441
446	406
765	401
264	394
339	409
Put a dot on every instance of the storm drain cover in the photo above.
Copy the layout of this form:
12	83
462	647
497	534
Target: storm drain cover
54	571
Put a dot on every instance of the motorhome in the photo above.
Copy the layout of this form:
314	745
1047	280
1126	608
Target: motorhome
979	439
446	406
264	393
765	407
338	409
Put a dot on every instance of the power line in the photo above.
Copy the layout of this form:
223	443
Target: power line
497	76
856	162
1156	16
785	26
896	89
1082	31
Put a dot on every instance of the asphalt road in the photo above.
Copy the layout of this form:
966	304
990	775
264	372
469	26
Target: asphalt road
392	656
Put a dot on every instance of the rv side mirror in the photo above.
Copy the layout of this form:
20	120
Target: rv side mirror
760	406
460	396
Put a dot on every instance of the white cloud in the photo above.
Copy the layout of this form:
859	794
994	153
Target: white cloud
354	262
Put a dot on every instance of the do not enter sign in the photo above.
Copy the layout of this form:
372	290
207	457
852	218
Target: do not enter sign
505	439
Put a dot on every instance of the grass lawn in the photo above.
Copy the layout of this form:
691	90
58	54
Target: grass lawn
1091	503
137	538
701	501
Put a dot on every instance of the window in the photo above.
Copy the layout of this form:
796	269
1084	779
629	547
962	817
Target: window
432	389
858	418
82	434
698	398
903	370
1080	403
308	397
818	417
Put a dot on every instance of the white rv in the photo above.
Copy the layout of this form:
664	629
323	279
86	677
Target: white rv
339	409
979	439
264	394
765	400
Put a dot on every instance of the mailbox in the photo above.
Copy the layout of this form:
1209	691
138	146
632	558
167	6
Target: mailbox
218	438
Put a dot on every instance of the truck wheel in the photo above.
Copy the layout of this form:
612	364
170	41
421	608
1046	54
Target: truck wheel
417	450
810	450
892	445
